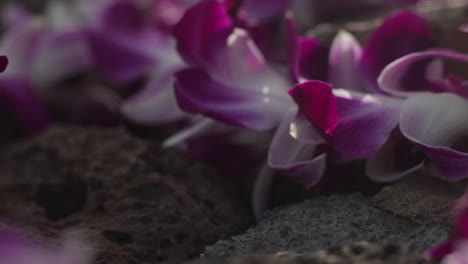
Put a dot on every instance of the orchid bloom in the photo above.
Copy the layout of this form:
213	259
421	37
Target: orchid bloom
355	120
231	82
16	248
130	41
455	249
432	118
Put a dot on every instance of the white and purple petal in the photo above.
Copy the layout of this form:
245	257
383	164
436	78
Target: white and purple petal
197	92
364	122
302	161
345	55
155	104
201	29
394	160
402	33
436	125
391	77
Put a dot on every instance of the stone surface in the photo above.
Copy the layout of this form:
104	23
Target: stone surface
326	222
143	204
358	253
421	198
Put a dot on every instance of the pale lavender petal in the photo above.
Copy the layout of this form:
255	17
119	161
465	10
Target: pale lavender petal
14	15
58	56
199	29
391	77
394	160
365	122
22	107
436	124
196	92
20	44
399	35
303	162
318	104
15	248
301	129
155	104
345	55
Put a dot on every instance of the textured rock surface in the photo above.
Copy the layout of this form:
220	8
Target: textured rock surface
145	204
358	253
420	198
326	222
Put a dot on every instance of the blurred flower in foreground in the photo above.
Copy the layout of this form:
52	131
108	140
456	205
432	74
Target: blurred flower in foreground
15	248
455	249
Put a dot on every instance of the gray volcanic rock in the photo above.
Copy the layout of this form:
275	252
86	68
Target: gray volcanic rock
358	253
146	204
327	222
420	198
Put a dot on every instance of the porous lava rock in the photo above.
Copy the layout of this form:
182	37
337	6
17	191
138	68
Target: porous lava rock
420	198
357	253
144	204
329	221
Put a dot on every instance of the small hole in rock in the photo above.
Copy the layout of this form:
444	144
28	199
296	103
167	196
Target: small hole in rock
118	237
61	199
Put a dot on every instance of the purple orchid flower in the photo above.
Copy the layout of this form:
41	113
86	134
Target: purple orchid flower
432	118
455	249
356	121
16	248
130	41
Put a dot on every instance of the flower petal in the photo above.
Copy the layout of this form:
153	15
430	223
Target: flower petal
307	57
301	129
345	55
394	160
365	122
155	104
197	92
303	162
436	124
261	10
391	77
22	106
119	59
399	35
318	104
197	31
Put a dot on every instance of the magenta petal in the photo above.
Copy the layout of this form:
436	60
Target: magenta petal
391	77
307	57
364	122
199	28
119	59
399	35
441	250
318	104
3	63
436	124
22	106
196	92
299	160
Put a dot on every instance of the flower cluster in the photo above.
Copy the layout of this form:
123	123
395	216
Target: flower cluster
245	84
